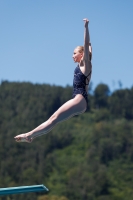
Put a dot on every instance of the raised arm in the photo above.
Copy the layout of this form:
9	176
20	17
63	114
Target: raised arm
87	45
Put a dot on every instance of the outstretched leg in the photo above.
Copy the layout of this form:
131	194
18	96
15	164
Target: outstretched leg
69	109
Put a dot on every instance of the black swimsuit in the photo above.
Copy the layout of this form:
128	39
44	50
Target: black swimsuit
79	83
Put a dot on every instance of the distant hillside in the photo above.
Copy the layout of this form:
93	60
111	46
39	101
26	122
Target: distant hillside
89	157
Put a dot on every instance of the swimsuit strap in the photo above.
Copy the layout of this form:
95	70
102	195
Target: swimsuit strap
87	77
84	75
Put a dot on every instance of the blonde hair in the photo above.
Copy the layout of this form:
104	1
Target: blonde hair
81	50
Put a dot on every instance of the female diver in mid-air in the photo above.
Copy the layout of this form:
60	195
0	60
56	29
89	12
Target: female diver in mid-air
78	104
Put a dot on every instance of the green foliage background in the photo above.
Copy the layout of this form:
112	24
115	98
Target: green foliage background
89	157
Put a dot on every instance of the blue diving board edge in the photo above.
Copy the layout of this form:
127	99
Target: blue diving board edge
23	189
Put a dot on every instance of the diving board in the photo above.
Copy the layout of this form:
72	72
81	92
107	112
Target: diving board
23	189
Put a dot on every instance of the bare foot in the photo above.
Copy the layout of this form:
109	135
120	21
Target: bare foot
23	138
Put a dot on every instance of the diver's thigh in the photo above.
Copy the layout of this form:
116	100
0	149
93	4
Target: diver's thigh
70	108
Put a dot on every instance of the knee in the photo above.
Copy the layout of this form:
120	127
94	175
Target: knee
53	119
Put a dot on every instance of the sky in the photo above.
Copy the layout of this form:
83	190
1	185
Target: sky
37	39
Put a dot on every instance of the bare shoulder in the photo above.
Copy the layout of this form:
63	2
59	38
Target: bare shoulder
85	66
